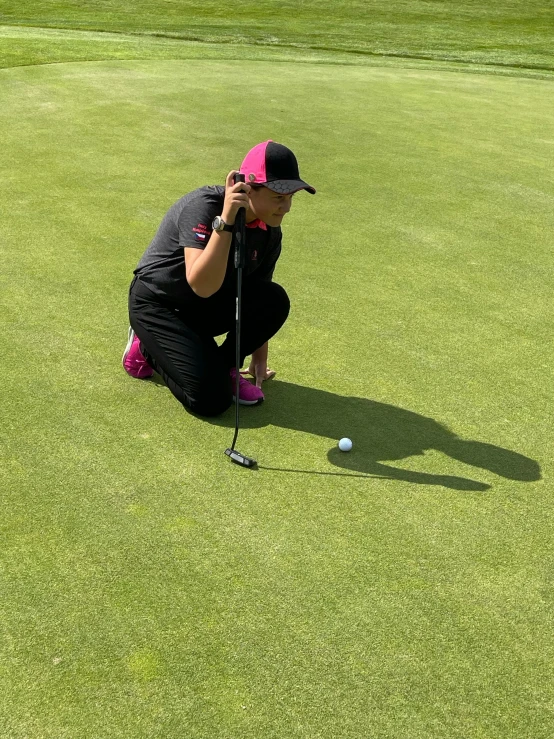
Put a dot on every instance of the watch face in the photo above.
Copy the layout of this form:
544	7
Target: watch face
215	223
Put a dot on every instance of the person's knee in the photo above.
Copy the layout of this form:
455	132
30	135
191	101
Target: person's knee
280	298
272	297
210	406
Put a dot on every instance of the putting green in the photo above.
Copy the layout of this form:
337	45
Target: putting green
398	590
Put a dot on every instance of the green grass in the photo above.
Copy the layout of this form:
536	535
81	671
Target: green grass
506	34
150	588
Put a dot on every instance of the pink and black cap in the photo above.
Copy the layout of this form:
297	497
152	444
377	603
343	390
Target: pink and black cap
275	167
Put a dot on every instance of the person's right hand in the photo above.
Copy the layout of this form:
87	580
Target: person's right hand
236	196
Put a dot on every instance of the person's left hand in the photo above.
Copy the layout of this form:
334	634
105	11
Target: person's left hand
260	372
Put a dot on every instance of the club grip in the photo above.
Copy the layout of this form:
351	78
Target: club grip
240	228
239	177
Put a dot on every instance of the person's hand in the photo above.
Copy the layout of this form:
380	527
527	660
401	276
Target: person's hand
260	372
236	196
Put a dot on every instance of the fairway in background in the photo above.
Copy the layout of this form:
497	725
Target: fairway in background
507	33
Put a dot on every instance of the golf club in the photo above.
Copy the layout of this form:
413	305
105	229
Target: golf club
240	258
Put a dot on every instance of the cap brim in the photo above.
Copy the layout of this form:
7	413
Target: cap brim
285	187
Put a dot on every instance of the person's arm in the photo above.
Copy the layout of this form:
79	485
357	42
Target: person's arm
206	269
258	366
260	355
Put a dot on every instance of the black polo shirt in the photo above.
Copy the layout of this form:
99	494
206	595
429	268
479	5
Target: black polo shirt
189	223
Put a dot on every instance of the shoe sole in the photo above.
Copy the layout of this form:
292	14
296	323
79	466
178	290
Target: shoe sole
257	401
128	347
248	402
148	374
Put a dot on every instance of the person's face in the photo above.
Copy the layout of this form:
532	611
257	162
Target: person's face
270	207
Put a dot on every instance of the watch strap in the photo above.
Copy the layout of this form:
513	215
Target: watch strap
219	220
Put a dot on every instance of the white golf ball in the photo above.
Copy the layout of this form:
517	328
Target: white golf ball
345	445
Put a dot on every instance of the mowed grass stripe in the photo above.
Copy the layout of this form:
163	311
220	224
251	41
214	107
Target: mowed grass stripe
22	46
508	33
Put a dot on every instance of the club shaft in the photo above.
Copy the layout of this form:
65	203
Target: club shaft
237	352
240	236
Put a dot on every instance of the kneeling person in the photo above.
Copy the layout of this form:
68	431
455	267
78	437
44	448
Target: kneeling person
184	288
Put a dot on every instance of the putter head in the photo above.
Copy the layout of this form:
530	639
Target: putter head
240	458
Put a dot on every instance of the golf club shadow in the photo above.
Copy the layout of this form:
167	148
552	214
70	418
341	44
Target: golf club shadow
381	432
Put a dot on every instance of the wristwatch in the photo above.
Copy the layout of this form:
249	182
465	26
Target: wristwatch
218	224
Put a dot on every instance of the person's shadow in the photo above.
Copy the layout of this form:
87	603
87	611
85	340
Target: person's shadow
380	433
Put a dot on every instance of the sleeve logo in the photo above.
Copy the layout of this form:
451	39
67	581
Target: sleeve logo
201	232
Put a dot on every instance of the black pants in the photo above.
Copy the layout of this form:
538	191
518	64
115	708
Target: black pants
178	341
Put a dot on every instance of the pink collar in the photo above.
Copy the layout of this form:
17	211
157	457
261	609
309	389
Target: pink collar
257	224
